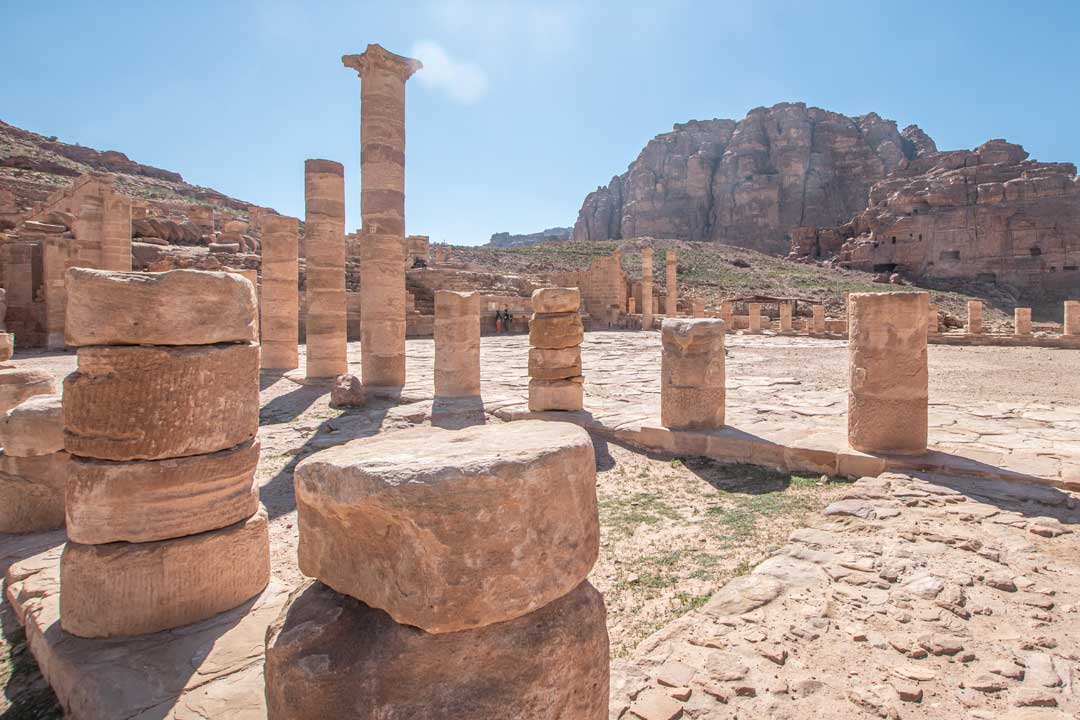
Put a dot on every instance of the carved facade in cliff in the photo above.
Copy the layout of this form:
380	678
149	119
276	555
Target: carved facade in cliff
750	183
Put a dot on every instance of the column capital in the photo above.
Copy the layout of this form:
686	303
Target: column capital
379	59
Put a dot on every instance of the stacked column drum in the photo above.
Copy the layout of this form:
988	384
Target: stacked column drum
555	336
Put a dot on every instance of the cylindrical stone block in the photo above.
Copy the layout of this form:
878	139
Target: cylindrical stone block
726	314
692	391
974	317
457	344
1072	317
646	288
819	319
556	330
124	588
279	309
328	651
887	397
671	301
19	384
33	427
785	317
32	492
324	232
449	530
556	300
932	318
382	310
1022	321
155	402
566	394
143	501
554	364
753	311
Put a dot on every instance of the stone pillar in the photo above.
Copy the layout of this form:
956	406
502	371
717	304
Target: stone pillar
887	394
116	233
818	326
382	198
726	313
280	307
692	392
555	337
457	344
671	308
440	255
160	419
1022	321
646	289
932	318
56	258
785	317
1072	317
697	308
33	466
90	230
975	317
753	311
631	305
324	230
471	598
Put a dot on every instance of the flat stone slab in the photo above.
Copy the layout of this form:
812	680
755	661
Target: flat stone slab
212	669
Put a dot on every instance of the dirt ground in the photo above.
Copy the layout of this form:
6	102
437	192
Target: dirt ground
673	530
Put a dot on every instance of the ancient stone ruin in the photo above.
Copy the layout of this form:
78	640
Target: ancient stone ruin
555	337
692	374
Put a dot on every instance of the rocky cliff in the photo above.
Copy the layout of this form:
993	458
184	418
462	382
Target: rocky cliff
989	213
505	239
750	183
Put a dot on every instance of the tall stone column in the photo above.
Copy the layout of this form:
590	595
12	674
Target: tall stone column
646	289
785	317
1072	317
819	319
932	318
671	308
727	313
753	312
324	232
1022	321
382	197
975	317
887	395
116	233
280	302
457	344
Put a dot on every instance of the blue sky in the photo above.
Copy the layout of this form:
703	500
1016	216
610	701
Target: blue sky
524	107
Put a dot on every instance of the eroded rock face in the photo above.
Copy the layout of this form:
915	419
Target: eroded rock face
450	530
179	307
749	183
328	652
150	403
143	501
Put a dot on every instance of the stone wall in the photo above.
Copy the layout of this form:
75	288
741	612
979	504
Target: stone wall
603	286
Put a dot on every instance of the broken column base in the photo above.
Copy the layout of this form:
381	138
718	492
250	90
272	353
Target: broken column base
32	492
329	651
567	394
347	391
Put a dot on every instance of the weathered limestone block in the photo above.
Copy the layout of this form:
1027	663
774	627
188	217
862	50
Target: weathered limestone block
150	403
671	300
7	344
33	427
124	588
819	319
567	394
279	306
726	314
457	344
697	308
556	330
554	364
328	651
20	384
932	318
1072	317
692	392
785	317
556	300
974	317
646	288
143	501
452	529
887	398
382	310
32	492
1022	321
347	391
324	249
178	307
754	313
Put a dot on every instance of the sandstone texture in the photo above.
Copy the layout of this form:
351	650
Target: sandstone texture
347	391
280	301
692	391
18	385
143	501
382	310
457	344
556	300
749	183
565	394
122	589
7	343
451	530
974	324
1071	324
150	403
179	307
556	330
324	250
556	364
32	492
34	427
1022	321
888	382
328	651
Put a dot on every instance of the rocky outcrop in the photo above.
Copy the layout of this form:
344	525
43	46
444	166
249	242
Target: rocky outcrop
751	183
988	214
505	239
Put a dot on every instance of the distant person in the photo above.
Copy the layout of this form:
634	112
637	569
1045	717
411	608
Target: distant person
498	321
506	319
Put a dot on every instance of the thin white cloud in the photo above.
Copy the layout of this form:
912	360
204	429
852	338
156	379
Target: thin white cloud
463	81
543	30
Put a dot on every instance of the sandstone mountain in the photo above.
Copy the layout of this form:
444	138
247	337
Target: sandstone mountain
32	166
505	239
750	183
